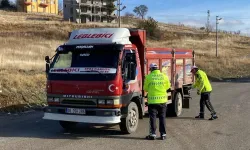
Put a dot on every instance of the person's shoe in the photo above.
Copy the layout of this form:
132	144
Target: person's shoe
200	116
163	137
213	117
150	137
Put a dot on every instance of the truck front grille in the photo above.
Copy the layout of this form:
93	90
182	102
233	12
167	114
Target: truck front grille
79	102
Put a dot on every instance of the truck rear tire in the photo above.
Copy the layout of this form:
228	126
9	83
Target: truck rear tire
130	123
67	125
175	109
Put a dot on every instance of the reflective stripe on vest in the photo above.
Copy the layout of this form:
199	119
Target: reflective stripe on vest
157	99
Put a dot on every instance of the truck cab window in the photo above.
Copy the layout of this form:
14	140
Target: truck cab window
63	60
129	65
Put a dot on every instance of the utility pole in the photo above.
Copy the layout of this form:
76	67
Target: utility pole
119	11
217	22
208	24
79	11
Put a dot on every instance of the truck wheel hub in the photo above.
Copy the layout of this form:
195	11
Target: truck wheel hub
179	103
133	118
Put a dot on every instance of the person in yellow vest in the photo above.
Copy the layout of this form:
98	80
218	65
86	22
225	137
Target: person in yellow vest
204	89
156	84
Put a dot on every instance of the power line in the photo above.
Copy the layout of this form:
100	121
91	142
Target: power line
185	15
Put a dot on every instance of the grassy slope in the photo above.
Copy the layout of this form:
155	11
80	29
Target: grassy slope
25	41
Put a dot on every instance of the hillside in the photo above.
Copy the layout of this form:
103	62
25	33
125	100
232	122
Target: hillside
26	38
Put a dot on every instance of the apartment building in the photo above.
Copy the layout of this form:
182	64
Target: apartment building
38	6
84	11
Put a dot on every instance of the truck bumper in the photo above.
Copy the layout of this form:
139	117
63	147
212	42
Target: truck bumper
84	119
93	115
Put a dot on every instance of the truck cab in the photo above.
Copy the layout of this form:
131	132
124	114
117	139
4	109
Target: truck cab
95	78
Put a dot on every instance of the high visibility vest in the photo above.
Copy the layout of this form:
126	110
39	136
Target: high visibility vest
157	84
202	82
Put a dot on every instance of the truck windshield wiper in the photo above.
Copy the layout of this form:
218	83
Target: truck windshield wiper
96	71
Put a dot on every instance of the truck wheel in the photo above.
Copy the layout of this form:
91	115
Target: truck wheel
67	125
130	123
175	109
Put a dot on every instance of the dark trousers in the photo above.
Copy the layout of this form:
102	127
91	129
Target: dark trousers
205	100
161	109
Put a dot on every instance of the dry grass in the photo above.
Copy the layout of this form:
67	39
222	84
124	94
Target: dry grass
25	54
21	88
24	43
234	54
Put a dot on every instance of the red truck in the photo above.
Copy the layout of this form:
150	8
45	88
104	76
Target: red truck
97	77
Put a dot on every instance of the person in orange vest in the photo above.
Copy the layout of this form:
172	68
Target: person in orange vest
157	84
204	89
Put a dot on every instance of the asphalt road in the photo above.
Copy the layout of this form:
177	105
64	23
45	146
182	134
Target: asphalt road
230	132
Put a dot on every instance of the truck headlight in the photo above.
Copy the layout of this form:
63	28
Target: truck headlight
101	102
50	99
110	102
56	99
116	101
53	99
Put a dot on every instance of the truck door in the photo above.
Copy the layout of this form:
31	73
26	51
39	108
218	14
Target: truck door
129	70
132	80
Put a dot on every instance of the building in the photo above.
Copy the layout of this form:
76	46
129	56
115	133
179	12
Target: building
38	6
84	11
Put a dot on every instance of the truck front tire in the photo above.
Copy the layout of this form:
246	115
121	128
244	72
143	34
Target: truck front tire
67	125
175	109
130	123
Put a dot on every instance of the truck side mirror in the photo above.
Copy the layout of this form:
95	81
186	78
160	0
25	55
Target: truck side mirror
47	64
131	71
47	59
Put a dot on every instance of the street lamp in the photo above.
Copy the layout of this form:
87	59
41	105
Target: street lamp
217	22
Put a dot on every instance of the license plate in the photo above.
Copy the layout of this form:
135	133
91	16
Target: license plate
75	111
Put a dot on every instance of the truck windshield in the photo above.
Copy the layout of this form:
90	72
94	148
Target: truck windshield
90	64
87	59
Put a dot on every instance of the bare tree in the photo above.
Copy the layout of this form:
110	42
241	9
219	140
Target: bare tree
141	11
209	28
110	9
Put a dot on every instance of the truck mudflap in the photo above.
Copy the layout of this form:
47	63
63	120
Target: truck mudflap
186	102
186	96
83	119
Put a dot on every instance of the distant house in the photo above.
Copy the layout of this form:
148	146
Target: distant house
38	6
